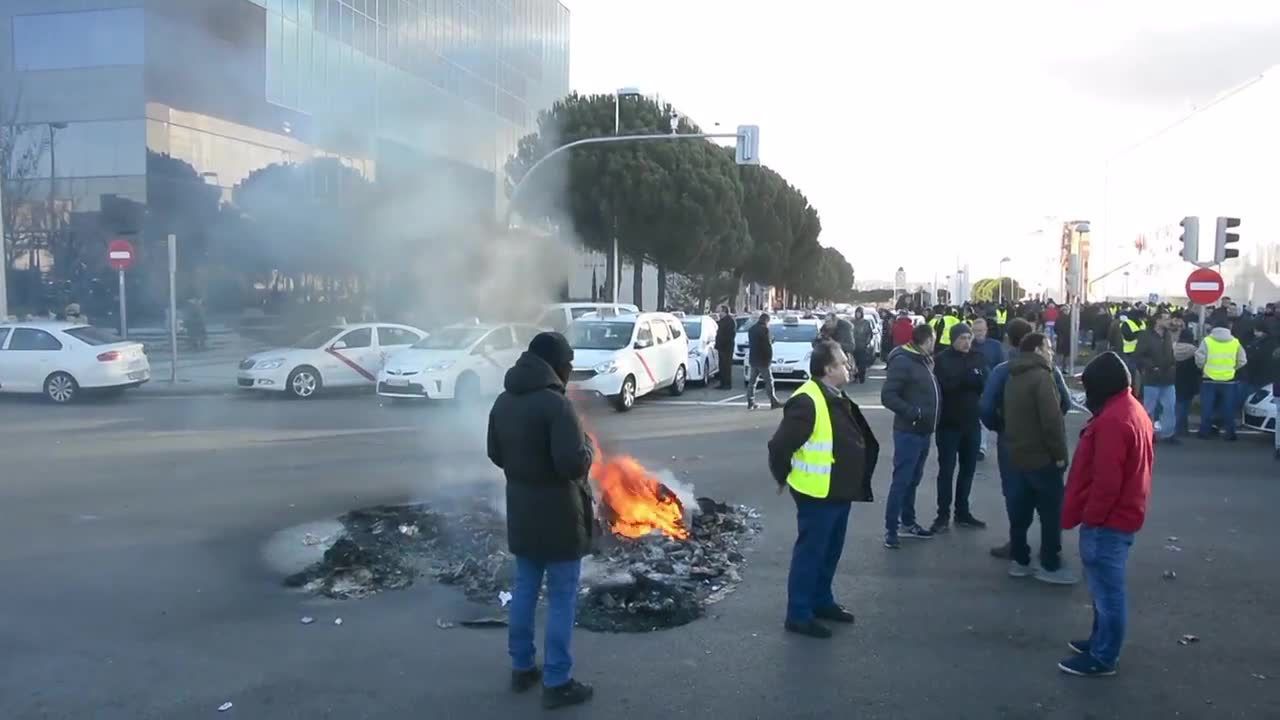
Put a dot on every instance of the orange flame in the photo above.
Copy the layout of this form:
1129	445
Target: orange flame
637	501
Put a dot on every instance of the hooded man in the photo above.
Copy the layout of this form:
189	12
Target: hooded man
962	373
1220	358
862	357
537	440
1106	497
726	333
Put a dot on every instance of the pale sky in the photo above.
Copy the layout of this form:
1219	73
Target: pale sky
930	130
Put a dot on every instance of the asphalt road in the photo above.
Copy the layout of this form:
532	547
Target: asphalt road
139	583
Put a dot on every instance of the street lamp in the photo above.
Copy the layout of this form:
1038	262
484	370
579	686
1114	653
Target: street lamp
54	127
1000	281
1126	284
615	277
1077	287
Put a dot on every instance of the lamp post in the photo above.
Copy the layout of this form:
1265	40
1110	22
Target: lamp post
1126	284
1077	287
54	127
615	277
1000	279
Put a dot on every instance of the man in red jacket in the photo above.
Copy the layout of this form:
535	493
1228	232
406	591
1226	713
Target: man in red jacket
1107	491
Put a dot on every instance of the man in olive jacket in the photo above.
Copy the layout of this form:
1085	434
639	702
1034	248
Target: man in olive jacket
1035	433
536	438
821	519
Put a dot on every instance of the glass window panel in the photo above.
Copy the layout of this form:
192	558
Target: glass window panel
60	41
274	70
289	8
289	50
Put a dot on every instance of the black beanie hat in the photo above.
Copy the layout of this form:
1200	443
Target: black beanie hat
554	351
960	329
1104	377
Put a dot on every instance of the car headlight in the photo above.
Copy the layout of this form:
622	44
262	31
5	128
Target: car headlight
441	365
272	364
807	357
606	368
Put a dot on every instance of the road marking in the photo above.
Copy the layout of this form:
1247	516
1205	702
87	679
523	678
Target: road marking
728	400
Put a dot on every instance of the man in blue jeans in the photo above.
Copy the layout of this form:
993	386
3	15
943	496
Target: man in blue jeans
962	373
537	440
1220	357
911	392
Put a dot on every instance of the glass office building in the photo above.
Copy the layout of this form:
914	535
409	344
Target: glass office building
232	86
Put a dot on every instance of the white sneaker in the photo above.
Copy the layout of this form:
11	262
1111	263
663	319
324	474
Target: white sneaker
1018	570
1061	576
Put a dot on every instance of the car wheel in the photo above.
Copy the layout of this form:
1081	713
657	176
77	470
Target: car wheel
61	388
626	398
467	390
682	377
304	382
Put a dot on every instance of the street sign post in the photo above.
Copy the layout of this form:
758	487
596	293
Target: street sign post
120	257
1204	286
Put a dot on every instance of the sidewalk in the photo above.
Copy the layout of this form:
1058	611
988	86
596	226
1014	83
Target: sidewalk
212	372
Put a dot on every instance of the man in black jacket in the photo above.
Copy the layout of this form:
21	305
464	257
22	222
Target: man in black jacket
910	392
537	440
726	333
961	376
827	455
759	359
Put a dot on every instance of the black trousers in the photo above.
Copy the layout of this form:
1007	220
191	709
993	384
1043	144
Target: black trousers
726	368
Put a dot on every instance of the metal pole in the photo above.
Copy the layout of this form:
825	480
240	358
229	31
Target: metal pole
173	308
4	258
1200	334
124	317
615	279
53	183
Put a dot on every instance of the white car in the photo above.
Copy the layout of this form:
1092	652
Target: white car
1260	410
560	316
61	359
629	356
463	362
331	357
742	323
792	346
704	361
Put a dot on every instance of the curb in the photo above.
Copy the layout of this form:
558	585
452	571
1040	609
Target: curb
163	388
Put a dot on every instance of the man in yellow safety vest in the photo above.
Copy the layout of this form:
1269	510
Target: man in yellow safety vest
942	329
1220	357
825	452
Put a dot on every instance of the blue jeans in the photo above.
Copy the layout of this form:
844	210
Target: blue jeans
1104	553
820	527
1161	403
910	451
953	445
1032	493
1217	399
562	598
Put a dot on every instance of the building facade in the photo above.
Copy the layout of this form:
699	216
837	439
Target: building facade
100	94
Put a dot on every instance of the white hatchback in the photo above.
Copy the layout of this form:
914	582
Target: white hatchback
61	359
331	357
704	361
628	357
792	347
463	362
1260	410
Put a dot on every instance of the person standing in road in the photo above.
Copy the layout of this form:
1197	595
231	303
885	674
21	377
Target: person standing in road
1220	357
862	357
1155	359
825	452
1037	439
962	374
901	333
1106	496
536	439
726	333
911	393
993	351
759	362
1186	376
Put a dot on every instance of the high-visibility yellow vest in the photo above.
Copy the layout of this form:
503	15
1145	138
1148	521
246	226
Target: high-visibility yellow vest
1131	345
811	464
1220	365
948	322
1002	316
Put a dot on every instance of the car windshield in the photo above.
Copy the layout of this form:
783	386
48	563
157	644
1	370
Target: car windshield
453	338
742	323
693	328
317	338
594	335
794	333
92	336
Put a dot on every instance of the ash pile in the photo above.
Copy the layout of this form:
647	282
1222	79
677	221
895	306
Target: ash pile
656	582
387	547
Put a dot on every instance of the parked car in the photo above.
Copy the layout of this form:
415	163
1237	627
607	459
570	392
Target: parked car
560	316
335	356
792	346
743	323
629	356
463	362
704	361
62	359
1260	410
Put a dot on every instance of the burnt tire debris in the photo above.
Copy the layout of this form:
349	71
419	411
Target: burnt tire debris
645	584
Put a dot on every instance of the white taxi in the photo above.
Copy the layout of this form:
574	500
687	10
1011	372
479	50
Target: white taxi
704	361
1260	410
336	356
463	362
62	359
628	357
792	346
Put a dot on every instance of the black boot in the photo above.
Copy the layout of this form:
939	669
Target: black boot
811	629
570	693
522	680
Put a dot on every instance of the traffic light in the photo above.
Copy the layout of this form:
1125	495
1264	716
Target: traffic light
1224	238
1190	239
748	145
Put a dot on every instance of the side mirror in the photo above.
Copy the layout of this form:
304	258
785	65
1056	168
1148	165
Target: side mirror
340	345
644	344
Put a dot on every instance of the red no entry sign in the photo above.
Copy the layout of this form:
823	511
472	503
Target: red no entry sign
120	254
1204	286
